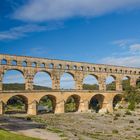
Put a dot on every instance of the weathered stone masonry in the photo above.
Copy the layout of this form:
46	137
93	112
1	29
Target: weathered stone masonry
29	66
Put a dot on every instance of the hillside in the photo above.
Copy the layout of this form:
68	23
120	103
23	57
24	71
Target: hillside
17	86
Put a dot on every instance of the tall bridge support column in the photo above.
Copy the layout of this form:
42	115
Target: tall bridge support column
83	107
32	108
102	84
118	84
60	107
78	81
1	108
79	85
55	82
29	82
107	105
55	76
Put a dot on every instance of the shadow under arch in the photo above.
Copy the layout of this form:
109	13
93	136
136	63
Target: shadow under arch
90	82
46	104
116	100
40	76
13	79
96	102
72	103
16	104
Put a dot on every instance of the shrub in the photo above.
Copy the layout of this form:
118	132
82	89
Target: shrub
131	121
115	118
132	105
115	131
117	115
28	119
128	112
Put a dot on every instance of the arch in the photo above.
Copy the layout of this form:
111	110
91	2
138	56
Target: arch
125	82
72	103
67	67
96	102
14	63
47	104
16	104
75	67
42	81
111	83
24	63
59	66
4	62
51	66
81	68
13	79
34	64
67	81
116	100
42	65
90	82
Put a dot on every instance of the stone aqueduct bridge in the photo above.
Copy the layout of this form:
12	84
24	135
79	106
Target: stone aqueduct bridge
29	66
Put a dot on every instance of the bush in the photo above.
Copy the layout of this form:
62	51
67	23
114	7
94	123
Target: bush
131	105
117	115
115	118
28	118
128	112
131	121
115	131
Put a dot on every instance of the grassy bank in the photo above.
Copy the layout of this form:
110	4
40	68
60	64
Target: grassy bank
6	135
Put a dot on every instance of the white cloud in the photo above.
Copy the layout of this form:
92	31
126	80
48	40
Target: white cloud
135	47
129	55
43	10
131	61
22	31
124	42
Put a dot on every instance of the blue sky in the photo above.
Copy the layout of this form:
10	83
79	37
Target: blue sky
81	30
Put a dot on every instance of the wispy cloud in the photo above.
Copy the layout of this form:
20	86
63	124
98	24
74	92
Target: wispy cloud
22	31
124	42
122	61
44	10
135	47
130	56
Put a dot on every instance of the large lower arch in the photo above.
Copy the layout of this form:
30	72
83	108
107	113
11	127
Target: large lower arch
13	79
90	82
16	104
111	83
47	104
125	82
96	102
116	101
42	81
72	103
67	81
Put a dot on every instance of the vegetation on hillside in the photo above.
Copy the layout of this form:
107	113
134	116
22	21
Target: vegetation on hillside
132	96
17	86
